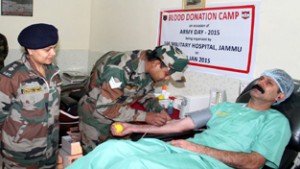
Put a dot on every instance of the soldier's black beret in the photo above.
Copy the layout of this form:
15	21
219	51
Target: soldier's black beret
38	36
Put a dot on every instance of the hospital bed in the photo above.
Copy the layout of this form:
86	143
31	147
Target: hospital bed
290	108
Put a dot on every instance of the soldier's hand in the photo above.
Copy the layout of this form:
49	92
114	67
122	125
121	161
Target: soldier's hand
157	119
167	116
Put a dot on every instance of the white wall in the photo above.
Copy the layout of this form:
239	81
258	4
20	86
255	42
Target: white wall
279	36
73	20
125	25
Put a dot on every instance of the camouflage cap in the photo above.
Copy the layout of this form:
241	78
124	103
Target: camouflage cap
173	58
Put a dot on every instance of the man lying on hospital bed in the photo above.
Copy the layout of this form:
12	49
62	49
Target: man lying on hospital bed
238	135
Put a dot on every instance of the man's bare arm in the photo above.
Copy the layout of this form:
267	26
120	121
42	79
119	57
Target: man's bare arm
174	126
251	160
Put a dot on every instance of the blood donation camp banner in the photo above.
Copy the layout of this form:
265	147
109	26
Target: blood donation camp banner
218	40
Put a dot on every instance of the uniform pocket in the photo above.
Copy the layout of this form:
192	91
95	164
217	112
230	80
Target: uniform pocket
33	101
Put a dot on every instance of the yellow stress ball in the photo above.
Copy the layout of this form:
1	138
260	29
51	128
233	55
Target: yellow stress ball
119	127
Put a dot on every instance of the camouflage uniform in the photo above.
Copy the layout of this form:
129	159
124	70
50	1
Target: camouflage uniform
102	105
29	110
3	50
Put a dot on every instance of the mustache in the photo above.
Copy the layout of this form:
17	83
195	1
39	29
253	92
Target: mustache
258	87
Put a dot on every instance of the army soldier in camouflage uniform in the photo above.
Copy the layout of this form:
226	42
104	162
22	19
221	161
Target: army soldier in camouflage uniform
3	50
136	72
29	102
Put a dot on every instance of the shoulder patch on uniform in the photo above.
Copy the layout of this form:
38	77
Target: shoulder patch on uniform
11	69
